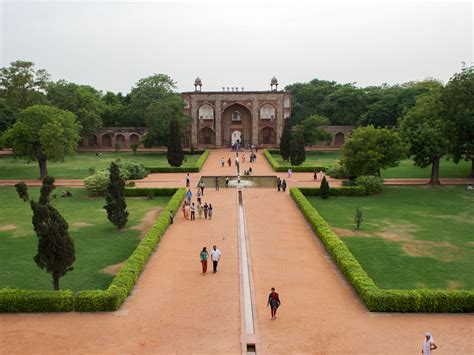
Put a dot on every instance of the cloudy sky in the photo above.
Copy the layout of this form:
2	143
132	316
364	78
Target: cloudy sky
111	45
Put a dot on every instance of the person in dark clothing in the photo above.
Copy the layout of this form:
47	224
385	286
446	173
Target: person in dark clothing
193	212
217	183
283	185
278	183
273	302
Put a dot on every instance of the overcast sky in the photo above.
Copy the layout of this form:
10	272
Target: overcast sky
111	45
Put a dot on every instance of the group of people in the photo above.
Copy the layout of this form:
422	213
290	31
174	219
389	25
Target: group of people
281	185
189	208
215	256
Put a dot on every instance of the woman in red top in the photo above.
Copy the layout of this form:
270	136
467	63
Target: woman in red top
273	302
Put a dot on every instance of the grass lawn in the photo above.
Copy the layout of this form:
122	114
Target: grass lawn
406	169
98	244
411	237
77	166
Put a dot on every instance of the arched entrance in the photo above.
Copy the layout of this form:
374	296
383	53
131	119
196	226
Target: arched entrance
206	136
267	136
134	139
120	139
236	117
339	139
236	137
106	141
92	141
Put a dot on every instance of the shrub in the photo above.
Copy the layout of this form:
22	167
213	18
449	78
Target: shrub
15	300
337	172
92	170
97	184
131	170
134	147
349	183
179	169
283	168
324	189
372	184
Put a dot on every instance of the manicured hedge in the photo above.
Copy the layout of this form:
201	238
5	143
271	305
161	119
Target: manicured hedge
282	168
142	191
122	284
16	300
376	299
181	169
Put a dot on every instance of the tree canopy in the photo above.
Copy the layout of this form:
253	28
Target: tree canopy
370	149
311	130
43	133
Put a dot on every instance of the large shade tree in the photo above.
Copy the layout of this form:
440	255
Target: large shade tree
43	133
370	149
426	132
458	107
56	251
22	85
83	100
7	117
311	129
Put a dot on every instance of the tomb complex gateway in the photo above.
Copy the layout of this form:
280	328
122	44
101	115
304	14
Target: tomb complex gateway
221	118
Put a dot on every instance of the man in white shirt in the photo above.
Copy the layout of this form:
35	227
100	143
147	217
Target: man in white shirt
215	255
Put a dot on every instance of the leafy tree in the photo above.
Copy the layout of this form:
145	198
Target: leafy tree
358	218
175	153
345	105
311	129
158	117
324	189
458	107
134	147
116	206
147	91
115	113
425	131
83	100
43	133
7	117
286	139
297	151
370	149
56	251
22	85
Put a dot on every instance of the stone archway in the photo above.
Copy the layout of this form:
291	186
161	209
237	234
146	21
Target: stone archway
106	141
206	136
120	139
236	117
236	137
92	141
134	138
339	138
267	135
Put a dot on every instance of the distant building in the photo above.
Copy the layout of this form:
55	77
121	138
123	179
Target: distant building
221	118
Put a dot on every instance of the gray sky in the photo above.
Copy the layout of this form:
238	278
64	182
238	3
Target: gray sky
111	45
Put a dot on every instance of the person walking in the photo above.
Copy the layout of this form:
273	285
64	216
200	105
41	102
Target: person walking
203	256
200	210
217	183
201	185
229	162
273	302
215	256
171	217
187	210
315	176
189	195
222	161
187	180
205	210
290	171
278	183
210	211
283	185
226	182
193	212
243	158
199	196
428	344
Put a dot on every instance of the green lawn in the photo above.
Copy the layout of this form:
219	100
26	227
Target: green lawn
411	237
98	243
406	169
77	166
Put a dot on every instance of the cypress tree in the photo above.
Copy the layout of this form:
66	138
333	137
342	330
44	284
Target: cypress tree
116	206
285	140
324	189
56	251
297	152
175	153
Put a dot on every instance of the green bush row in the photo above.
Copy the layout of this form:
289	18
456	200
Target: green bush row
181	169
112	298
338	191
296	169
16	300
376	299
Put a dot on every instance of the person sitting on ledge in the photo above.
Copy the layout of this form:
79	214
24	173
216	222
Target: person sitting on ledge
469	187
